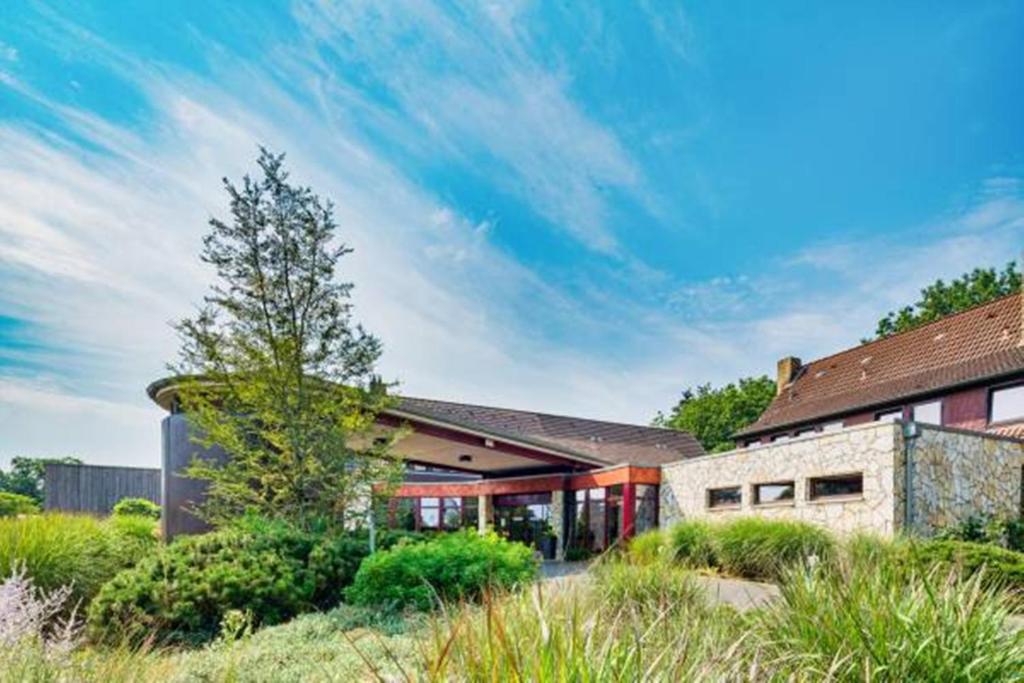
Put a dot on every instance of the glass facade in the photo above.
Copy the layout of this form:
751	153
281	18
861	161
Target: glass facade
646	516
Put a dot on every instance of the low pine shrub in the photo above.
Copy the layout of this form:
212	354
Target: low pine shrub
692	543
758	548
455	566
136	507
14	504
73	550
998	566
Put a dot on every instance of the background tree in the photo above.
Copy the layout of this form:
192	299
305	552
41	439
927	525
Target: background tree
275	372
714	415
940	299
26	476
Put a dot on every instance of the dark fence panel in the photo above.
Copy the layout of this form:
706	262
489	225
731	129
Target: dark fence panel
97	488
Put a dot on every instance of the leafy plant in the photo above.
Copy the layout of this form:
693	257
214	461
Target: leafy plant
455	566
1006	532
26	476
999	566
136	507
14	504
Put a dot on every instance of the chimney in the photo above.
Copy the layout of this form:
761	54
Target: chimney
788	367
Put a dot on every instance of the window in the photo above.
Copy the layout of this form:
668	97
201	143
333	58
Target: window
773	492
452	513
930	413
779	438
729	496
889	415
838	485
804	433
832	426
646	516
1007	404
430	513
470	512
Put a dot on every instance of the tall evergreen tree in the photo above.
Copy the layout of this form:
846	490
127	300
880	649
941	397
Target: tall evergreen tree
275	371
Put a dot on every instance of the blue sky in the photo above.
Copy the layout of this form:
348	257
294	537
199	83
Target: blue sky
569	207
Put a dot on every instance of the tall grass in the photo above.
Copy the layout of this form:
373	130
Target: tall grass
758	548
72	550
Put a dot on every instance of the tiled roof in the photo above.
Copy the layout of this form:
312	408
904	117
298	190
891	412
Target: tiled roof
981	343
609	442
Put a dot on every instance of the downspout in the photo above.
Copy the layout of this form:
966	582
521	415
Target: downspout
910	433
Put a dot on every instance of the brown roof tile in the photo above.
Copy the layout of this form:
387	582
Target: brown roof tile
611	442
974	345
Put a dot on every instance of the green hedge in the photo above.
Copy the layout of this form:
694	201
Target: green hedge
1000	566
270	570
74	550
453	566
136	507
14	504
692	543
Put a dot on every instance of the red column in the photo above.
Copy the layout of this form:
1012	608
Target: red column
628	509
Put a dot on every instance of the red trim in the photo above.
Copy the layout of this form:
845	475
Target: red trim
629	474
628	510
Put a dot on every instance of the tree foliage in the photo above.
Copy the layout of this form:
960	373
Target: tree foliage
712	416
940	299
274	370
26	476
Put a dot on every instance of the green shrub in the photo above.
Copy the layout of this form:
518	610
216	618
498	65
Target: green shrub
137	507
453	566
578	553
999	566
73	550
692	543
14	504
648	547
268	569
758	548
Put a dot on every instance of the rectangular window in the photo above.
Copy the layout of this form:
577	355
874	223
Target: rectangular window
1007	404
430	513
779	438
838	485
729	496
929	413
773	492
832	426
451	514
471	512
804	433
889	415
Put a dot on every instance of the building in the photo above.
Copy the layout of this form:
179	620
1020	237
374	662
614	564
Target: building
909	433
548	480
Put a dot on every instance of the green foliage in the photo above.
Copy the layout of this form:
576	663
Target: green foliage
14	504
759	548
712	416
578	553
998	566
274	371
1006	532
137	507
73	550
940	299
648	586
692	543
455	566
26	476
266	568
648	547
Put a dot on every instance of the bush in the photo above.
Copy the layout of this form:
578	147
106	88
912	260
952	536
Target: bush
1006	532
269	570
578	553
73	550
692	543
137	507
648	547
758	548
14	504
998	566
455	566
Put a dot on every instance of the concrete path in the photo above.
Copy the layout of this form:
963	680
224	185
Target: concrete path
741	594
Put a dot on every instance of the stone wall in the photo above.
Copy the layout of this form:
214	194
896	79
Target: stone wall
956	474
870	449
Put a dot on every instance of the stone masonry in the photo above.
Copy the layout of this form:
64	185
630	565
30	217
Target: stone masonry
955	474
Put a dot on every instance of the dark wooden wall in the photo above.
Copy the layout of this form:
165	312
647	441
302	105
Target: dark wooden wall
97	488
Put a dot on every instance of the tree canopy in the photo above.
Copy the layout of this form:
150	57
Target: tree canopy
274	369
712	416
940	299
